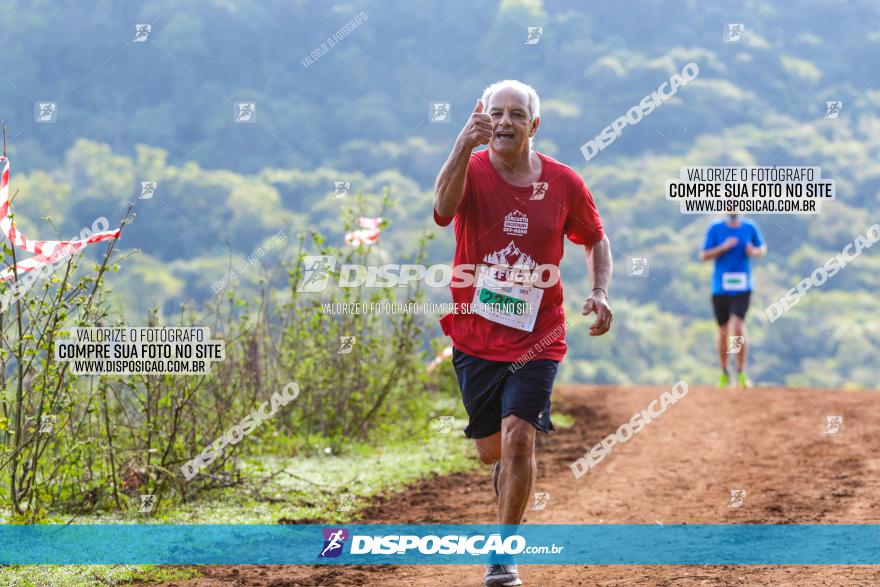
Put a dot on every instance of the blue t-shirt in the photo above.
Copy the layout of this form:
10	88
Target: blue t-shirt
733	272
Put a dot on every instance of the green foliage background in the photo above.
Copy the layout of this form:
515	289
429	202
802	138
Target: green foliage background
163	110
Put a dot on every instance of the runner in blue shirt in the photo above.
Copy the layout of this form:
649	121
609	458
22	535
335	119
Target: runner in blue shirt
732	243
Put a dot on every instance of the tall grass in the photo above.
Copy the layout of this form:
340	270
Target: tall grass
106	440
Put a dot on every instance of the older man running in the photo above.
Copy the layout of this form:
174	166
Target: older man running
512	206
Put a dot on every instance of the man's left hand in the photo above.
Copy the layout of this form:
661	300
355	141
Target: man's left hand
598	303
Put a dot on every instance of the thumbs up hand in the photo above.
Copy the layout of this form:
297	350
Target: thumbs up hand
479	129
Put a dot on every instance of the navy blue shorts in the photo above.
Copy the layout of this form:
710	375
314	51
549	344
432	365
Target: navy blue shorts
725	305
491	391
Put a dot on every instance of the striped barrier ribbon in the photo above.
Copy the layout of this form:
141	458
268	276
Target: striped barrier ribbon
45	252
368	233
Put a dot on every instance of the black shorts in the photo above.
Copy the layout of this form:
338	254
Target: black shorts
725	305
493	390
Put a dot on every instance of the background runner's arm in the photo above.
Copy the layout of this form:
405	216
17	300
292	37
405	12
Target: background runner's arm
753	251
757	247
449	188
707	254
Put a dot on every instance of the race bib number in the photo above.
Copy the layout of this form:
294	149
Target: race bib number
734	281
511	304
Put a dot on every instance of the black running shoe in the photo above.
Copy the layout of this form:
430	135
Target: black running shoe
501	576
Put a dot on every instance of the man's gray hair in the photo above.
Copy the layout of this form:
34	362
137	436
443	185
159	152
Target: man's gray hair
533	99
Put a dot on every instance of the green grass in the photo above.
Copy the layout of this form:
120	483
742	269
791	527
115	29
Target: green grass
88	576
298	489
313	488
303	489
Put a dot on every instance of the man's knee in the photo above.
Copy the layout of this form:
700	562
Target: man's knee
518	437
488	457
737	325
489	449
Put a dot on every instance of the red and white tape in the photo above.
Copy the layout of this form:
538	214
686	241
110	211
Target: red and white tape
435	362
45	252
368	234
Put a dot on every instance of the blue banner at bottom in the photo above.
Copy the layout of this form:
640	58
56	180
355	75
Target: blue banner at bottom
745	544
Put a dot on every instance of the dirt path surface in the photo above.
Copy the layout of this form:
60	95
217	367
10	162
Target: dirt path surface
679	469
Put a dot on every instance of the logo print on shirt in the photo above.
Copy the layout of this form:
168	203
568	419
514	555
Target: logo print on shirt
516	223
539	190
509	256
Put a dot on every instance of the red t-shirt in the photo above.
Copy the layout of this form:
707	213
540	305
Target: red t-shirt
499	223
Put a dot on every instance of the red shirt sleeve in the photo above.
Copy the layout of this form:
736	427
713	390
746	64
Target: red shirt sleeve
583	224
442	220
462	206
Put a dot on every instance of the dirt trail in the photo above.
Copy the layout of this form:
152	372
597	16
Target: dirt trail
679	469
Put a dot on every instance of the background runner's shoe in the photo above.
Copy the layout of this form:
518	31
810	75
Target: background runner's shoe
501	576
724	380
496	474
743	380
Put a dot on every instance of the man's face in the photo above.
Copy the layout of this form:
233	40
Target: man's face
509	111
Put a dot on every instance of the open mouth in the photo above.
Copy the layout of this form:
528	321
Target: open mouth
501	134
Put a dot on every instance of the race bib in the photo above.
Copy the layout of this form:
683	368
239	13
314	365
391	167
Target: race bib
511	304
734	281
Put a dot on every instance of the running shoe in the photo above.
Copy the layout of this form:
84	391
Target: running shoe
501	576
743	380
724	380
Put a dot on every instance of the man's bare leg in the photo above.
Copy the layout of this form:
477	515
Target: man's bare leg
722	345
514	446
518	469
738	326
739	329
513	449
489	449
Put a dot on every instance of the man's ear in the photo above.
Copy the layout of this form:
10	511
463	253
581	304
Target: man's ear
535	124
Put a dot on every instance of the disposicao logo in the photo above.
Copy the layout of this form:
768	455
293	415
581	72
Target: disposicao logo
334	539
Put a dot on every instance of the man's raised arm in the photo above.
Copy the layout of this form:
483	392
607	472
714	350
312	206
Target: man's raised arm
449	188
